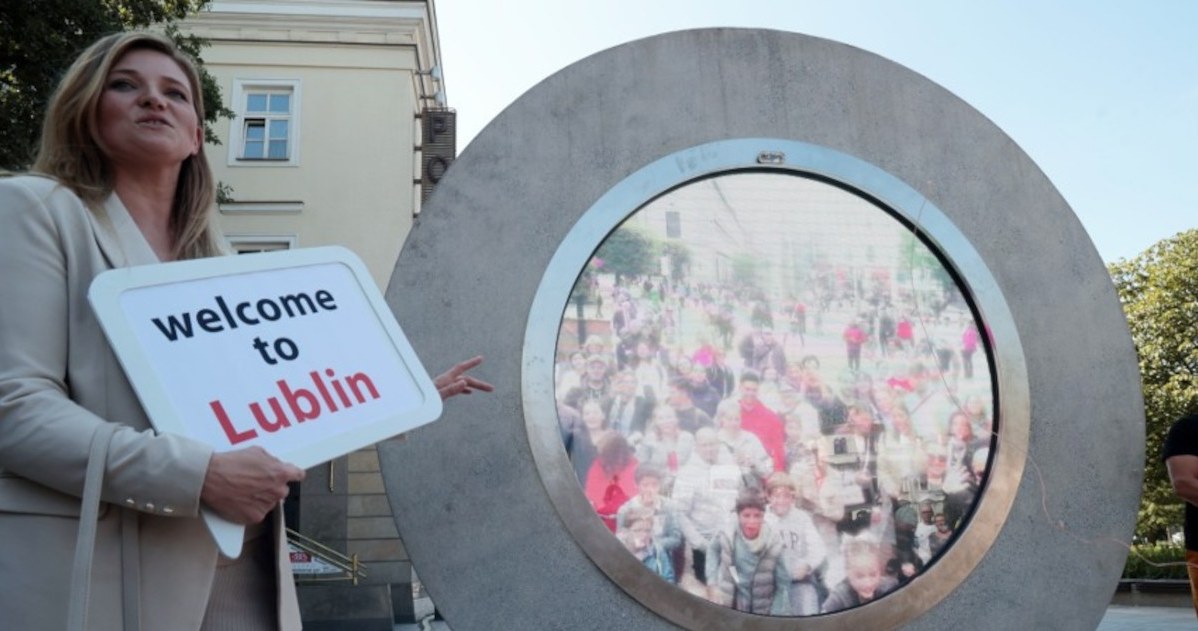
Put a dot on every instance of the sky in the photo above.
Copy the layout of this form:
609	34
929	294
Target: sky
1102	95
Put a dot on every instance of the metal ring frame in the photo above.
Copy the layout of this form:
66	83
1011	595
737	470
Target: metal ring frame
1009	370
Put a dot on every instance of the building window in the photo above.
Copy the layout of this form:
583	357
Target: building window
260	208
267	121
252	244
673	224
266	130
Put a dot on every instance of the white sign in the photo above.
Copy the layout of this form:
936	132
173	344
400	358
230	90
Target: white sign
294	351
308	564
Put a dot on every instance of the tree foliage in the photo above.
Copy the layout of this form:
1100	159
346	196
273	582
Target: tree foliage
628	251
40	38
1159	293
747	269
680	258
916	255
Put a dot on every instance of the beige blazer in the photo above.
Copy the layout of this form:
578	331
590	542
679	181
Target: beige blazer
58	380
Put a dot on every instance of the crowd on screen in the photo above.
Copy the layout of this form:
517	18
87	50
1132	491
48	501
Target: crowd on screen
788	457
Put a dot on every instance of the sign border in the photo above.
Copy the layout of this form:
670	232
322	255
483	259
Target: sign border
108	287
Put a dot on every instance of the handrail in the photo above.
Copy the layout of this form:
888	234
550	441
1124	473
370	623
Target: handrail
352	568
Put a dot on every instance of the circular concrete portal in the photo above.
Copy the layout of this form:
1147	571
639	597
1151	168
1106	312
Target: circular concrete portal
488	500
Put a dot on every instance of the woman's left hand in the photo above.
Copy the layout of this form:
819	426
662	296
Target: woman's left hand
455	381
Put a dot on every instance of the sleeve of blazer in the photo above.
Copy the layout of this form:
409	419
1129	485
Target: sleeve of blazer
44	434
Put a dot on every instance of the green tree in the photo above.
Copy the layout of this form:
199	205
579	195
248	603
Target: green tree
680	258
915	255
40	38
1159	293
747	269
628	251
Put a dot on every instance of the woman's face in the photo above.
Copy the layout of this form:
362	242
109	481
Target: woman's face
961	428
729	420
147	115
592	415
665	420
937	464
578	362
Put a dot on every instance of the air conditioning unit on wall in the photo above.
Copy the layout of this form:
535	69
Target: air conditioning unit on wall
439	147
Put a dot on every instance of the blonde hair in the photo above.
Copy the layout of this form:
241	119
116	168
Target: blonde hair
728	408
72	153
863	549
779	480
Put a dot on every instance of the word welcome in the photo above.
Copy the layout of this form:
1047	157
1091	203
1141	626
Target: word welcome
248	313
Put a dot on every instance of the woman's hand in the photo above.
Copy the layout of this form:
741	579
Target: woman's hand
455	381
243	486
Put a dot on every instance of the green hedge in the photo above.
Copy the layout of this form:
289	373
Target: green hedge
1156	561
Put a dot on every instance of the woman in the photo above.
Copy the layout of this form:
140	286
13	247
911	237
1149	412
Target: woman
854	338
666	445
122	180
702	394
754	461
901	458
569	374
819	491
611	481
770	390
650	370
582	442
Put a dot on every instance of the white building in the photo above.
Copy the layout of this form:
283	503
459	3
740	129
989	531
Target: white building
328	96
331	99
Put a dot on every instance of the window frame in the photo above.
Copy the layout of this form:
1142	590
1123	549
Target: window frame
260	242
242	89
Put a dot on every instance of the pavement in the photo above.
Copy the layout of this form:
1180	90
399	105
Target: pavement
428	625
1127	618
1117	618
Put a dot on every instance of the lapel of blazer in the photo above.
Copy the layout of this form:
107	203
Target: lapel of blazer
118	237
120	243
